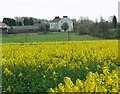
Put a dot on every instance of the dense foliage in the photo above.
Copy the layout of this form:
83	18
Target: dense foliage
106	82
105	28
65	26
28	21
87	66
9	21
44	28
114	22
13	22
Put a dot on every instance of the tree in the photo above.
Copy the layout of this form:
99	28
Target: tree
5	20
81	29
44	27
114	22
47	27
76	24
30	21
83	26
103	28
20	23
26	21
9	21
64	26
96	21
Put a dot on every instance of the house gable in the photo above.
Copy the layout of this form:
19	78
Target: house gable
56	23
56	19
68	21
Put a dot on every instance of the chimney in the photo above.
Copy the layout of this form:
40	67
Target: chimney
56	17
64	16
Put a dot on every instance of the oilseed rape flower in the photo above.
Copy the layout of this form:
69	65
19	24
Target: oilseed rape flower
20	75
7	72
88	85
71	66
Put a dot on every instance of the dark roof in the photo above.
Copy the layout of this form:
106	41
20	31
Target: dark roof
64	16
25	27
56	19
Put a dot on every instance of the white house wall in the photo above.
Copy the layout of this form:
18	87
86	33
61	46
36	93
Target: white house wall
68	21
54	26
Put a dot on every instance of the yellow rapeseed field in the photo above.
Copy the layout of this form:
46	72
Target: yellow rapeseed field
75	66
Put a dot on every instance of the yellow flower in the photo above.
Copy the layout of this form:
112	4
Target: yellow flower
105	70
7	72
79	83
61	87
51	90
9	89
68	81
20	74
114	90
75	89
54	73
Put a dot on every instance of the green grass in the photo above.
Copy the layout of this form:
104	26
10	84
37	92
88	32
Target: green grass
52	36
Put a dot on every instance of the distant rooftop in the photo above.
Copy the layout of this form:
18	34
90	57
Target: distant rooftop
56	19
64	16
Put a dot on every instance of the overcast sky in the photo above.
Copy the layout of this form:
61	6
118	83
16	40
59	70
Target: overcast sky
48	9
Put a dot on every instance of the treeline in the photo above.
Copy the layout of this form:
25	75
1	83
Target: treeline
44	28
103	29
9	21
12	22
28	21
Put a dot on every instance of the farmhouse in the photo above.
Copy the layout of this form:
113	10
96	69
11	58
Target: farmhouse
4	28
57	22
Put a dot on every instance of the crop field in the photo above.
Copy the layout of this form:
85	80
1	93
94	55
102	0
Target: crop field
50	37
74	66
